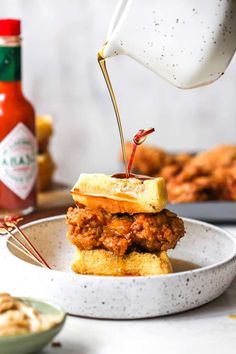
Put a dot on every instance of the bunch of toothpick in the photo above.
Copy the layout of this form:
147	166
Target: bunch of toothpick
9	226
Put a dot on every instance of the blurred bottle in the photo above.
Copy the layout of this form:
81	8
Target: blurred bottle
18	167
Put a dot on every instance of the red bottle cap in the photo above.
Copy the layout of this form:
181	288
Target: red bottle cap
9	27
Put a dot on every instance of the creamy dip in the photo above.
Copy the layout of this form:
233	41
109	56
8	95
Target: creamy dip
17	317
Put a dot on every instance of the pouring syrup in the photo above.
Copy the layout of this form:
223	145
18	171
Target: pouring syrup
102	64
138	139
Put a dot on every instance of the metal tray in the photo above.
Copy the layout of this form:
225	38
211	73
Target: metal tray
214	211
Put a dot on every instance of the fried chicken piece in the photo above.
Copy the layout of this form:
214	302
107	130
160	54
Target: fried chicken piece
207	176
173	165
231	183
220	156
167	172
179	159
201	189
120	233
193	184
182	158
159	231
226	178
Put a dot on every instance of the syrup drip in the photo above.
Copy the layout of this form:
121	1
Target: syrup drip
132	175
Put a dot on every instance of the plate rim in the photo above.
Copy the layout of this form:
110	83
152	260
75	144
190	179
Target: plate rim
203	269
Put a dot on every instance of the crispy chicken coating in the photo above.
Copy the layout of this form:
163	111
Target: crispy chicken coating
120	233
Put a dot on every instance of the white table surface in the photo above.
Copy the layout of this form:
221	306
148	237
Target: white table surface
205	330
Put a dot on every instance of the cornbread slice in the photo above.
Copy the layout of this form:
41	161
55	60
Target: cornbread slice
120	195
103	262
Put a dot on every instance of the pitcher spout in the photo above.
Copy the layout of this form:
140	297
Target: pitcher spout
113	45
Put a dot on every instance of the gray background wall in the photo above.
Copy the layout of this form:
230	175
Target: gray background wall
62	78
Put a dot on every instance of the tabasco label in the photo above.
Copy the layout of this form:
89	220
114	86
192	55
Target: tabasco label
18	166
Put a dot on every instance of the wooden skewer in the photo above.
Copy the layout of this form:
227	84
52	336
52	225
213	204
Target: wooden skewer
23	246
11	221
19	242
26	253
38	255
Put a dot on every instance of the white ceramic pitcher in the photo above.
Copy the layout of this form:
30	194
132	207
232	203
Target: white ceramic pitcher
188	42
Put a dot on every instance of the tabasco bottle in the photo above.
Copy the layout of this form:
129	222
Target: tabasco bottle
18	167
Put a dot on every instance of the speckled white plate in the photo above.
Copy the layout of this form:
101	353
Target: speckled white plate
213	249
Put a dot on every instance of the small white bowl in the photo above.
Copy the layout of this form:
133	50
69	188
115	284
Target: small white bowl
33	342
213	249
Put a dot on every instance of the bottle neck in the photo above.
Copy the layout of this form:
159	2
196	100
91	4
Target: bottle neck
10	59
10	89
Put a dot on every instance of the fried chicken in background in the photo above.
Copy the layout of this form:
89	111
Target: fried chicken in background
218	157
209	175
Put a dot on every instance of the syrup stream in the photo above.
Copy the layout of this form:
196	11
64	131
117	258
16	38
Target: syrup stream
102	64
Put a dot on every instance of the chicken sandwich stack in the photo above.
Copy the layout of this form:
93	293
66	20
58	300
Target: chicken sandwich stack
120	226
